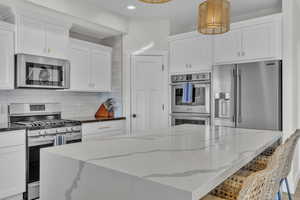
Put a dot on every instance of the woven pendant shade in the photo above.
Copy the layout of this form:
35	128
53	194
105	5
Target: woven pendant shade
214	17
155	1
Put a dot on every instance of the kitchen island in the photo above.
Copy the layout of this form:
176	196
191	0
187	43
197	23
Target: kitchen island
179	163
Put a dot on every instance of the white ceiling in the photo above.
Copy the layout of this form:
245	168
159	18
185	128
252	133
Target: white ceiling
183	13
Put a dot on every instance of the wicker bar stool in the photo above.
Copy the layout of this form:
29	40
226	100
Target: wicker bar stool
246	185
290	147
253	188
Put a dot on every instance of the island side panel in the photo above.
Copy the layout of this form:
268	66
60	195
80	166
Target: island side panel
64	178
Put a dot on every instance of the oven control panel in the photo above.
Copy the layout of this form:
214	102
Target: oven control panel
190	77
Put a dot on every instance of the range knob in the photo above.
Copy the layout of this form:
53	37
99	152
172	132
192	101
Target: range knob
43	132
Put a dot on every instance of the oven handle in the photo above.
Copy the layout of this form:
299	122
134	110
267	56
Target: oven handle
193	82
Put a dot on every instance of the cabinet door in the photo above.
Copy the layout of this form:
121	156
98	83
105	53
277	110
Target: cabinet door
80	68
6	59
12	171
227	47
191	54
100	70
178	52
257	41
31	37
201	53
56	41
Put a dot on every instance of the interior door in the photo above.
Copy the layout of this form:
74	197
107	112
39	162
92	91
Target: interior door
259	96
148	94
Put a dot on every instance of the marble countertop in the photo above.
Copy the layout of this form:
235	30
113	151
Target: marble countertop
90	119
189	158
4	127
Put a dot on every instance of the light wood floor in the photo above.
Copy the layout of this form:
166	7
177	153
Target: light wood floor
296	196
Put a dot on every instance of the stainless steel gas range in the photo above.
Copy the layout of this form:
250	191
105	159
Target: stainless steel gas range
45	128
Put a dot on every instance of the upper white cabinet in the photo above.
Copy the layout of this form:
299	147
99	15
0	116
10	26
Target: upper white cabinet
227	46
41	37
252	40
90	66
190	52
6	56
13	162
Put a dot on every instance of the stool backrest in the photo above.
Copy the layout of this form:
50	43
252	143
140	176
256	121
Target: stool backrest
290	147
263	185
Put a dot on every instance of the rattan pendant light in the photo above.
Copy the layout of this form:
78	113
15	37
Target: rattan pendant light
155	1
214	17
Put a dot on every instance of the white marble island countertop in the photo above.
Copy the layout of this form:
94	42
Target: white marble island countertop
179	163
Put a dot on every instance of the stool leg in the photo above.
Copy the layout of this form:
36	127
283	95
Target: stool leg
278	197
288	188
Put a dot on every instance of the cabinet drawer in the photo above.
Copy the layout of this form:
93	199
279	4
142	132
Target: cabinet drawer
102	127
12	138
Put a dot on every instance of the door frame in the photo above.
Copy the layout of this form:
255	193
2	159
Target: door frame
128	82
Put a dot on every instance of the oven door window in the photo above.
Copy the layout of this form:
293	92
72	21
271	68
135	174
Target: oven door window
44	75
34	162
178	121
198	96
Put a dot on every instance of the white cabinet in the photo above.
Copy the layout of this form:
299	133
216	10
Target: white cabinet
6	56
190	52
39	37
99	130
249	41
90	67
227	46
13	162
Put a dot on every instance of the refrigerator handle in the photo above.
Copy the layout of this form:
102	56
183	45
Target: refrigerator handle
239	113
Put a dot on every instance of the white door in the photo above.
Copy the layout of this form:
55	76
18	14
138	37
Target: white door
227	47
100	70
148	94
257	41
6	59
33	37
56	41
80	68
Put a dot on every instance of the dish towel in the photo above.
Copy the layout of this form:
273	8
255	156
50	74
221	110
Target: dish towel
187	96
59	140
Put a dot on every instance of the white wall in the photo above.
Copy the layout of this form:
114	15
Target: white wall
291	90
143	36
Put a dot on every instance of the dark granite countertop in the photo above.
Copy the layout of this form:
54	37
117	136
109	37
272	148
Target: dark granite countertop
90	119
4	127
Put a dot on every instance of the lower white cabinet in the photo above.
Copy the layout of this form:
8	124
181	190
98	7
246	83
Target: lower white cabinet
90	67
6	56
98	130
13	162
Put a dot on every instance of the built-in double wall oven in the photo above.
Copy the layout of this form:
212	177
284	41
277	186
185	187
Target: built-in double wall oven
191	99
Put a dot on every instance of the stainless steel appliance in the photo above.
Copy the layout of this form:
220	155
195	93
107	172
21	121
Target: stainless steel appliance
248	95
201	87
45	128
189	118
42	72
196	109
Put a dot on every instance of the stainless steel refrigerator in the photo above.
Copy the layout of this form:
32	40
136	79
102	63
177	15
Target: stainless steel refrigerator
248	95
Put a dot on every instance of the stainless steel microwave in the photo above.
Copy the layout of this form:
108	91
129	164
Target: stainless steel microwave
42	72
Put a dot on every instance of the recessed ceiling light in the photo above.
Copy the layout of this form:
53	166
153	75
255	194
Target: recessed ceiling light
131	7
